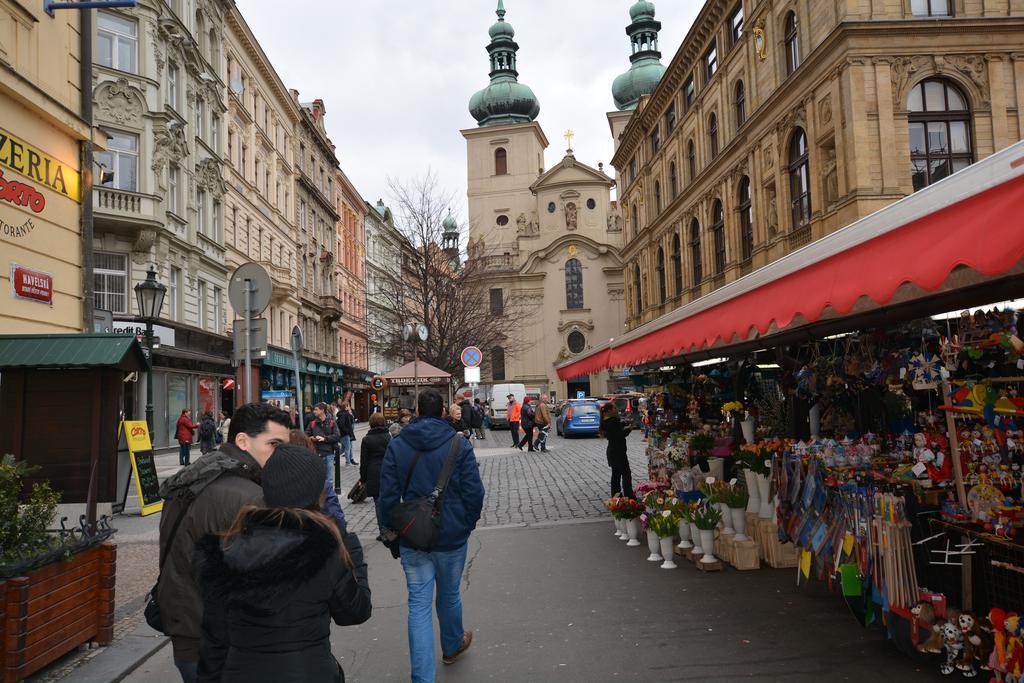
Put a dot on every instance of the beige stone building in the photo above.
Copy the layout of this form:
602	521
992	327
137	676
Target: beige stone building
781	121
549	237
41	248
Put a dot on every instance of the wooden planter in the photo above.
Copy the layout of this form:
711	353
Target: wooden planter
54	609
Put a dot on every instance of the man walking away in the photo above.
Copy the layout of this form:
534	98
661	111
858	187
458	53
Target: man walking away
324	432
542	418
207	434
513	413
206	498
183	432
477	419
422	448
346	428
526	419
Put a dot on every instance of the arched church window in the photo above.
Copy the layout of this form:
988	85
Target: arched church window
573	284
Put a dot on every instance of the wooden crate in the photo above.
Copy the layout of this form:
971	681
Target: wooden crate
710	566
724	547
746	556
54	609
773	552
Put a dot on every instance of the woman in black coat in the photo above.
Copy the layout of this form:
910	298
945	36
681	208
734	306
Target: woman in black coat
272	584
616	433
371	456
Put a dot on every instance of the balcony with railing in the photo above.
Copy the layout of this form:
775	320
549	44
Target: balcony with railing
122	210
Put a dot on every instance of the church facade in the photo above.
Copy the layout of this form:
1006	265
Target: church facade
547	240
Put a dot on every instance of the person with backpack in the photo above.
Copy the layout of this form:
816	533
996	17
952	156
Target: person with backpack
324	432
477	419
411	470
346	428
207	434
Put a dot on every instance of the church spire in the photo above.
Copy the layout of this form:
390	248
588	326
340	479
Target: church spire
646	68
506	100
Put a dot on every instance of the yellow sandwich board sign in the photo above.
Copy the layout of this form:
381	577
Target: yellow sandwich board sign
140	451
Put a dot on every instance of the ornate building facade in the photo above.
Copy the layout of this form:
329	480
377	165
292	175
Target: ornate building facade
779	122
548	238
384	244
350	273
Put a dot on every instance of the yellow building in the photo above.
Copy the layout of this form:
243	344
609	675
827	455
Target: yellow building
780	122
41	248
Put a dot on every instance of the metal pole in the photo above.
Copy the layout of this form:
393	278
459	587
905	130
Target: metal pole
88	232
298	392
149	378
248	340
416	372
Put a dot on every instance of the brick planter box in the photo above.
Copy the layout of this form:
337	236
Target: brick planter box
54	609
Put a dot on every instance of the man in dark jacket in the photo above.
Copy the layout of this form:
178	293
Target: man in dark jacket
346	427
371	457
526	420
324	432
430	436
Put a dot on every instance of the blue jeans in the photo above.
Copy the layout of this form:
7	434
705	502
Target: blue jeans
376	508
346	449
422	571
189	670
328	459
184	453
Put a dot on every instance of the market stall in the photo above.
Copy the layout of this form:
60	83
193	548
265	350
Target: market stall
402	385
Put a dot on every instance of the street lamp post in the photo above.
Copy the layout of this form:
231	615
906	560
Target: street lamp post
149	294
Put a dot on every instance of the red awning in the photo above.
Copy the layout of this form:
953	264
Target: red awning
911	241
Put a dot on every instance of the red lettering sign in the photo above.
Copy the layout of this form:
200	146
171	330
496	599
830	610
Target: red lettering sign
31	284
138	431
21	194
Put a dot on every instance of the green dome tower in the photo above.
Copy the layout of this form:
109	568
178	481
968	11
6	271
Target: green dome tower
505	101
646	70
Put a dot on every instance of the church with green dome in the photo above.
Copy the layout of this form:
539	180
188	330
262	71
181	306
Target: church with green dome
505	100
646	68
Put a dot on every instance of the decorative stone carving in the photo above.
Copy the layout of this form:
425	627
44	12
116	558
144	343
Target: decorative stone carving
143	243
614	221
210	176
768	157
972	66
829	172
904	69
168	143
571	215
825	111
119	102
527	227
773	213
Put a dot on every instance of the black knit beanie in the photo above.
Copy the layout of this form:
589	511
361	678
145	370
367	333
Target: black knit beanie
293	478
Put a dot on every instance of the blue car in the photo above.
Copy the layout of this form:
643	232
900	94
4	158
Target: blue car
579	417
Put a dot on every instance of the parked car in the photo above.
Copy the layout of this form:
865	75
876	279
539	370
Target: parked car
628	405
580	416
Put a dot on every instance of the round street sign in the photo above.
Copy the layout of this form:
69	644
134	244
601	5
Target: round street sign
377	383
471	357
261	288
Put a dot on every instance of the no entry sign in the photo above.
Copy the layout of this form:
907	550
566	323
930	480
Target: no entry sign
471	357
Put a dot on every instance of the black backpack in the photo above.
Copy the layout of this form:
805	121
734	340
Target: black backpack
207	430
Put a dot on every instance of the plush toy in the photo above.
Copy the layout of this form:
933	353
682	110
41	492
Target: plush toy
953	643
924	618
935	640
977	634
1014	647
997	660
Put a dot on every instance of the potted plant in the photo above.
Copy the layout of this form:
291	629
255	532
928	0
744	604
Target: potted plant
613	505
664	526
712	491
654	504
707	518
630	511
747	461
735	498
684	511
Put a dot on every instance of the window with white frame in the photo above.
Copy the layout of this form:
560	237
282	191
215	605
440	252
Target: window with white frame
174	294
216	232
203	304
201	212
200	119
215	133
110	282
117	42
931	8
217	296
122	157
173	178
172	84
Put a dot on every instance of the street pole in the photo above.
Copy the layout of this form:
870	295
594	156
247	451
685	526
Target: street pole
248	340
296	355
416	372
87	155
149	378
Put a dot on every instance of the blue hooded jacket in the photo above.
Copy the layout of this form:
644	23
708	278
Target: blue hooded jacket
464	497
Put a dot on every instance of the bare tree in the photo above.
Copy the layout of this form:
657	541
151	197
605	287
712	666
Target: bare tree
438	286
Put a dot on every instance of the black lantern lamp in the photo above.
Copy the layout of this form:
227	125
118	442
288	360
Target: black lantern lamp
149	295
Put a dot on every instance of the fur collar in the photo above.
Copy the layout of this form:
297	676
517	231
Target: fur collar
264	560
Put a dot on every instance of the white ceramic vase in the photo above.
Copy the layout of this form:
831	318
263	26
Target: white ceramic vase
684	535
764	487
754	504
726	519
653	546
633	532
747	425
739	522
668	552
707	542
695	535
619	528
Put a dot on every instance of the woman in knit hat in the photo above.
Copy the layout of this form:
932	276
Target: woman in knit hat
273	582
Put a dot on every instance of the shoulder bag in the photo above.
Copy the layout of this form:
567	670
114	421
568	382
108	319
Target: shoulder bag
417	522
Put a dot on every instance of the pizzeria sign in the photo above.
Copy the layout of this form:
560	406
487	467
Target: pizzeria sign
38	166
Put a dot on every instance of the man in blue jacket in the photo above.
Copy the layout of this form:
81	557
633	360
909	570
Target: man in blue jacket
463	500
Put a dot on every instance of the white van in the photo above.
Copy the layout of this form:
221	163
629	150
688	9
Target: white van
499	402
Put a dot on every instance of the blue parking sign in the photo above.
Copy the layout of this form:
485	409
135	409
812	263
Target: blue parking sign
581	394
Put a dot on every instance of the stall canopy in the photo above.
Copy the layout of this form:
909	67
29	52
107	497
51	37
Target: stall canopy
417	372
964	230
71	351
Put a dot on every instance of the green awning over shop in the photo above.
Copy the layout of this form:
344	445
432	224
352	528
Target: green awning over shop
71	351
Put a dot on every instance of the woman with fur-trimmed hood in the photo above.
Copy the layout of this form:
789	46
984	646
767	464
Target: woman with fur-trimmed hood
272	583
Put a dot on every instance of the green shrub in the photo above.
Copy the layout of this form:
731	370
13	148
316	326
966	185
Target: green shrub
23	524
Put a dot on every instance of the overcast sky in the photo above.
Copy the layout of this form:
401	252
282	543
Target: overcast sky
396	76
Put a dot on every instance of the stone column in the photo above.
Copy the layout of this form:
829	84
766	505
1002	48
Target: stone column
886	125
996	82
1018	79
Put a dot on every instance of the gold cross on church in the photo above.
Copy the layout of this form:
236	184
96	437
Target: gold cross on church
569	135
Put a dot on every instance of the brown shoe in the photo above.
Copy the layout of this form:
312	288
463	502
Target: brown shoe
467	640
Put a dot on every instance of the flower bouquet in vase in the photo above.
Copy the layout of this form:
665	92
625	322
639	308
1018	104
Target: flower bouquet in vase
630	510
735	498
664	525
685	518
614	504
655	502
746	460
707	518
712	491
702	444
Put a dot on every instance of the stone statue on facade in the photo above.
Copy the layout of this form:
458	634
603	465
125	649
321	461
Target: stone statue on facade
773	214
828	169
570	215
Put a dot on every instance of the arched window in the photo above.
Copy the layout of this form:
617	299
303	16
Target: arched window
637	292
500	161
661	275
573	284
657	197
746	210
576	341
940	131
718	232
741	105
677	264
673	180
691	159
713	135
799	180
792	44
497	363
695	263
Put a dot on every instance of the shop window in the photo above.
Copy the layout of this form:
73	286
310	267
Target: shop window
799	180
940	131
110	282
500	161
677	265
497	364
576	342
121	156
931	8
736	25
746	211
117	42
497	302
741	105
792	43
661	276
691	159
718	234
713	135
696	266
573	284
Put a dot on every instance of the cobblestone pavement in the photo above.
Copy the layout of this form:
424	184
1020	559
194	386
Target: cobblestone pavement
569	482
